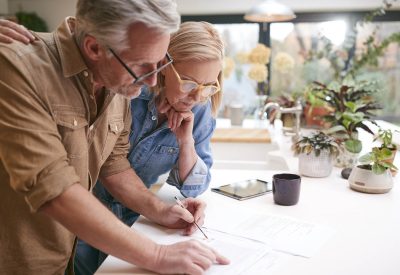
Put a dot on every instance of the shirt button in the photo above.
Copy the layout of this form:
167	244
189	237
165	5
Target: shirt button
170	150
85	73
91	127
153	118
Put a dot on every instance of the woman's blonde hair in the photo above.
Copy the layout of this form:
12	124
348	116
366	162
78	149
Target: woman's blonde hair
196	41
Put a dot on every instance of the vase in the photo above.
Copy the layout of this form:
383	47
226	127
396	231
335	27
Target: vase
314	117
317	167
364	180
345	159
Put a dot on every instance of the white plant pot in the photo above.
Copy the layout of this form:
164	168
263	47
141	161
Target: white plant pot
317	167
364	180
345	159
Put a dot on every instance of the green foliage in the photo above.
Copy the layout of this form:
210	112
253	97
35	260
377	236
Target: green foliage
343	61
378	159
386	137
373	52
31	21
312	97
316	142
351	105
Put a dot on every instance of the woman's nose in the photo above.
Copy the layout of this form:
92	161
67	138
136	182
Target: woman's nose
196	94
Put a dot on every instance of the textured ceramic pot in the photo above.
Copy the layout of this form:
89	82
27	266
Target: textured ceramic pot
364	180
317	167
345	159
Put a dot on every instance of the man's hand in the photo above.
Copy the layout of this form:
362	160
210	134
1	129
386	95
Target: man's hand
190	257
10	32
174	216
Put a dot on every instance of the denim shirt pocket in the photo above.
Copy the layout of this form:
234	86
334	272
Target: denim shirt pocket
162	159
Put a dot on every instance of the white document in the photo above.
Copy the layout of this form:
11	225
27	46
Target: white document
284	234
242	252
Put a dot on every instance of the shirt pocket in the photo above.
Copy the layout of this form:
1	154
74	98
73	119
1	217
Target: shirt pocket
115	127
163	159
72	130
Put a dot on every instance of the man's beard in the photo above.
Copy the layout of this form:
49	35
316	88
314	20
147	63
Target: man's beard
132	91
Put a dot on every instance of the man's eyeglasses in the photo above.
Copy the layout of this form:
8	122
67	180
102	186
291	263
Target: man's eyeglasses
146	75
187	86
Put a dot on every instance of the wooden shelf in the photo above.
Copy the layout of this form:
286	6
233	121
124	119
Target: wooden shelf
241	135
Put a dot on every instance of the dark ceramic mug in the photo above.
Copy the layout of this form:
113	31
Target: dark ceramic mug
286	188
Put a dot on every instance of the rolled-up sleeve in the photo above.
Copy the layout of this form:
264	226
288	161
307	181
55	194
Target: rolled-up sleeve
31	150
195	183
199	177
117	161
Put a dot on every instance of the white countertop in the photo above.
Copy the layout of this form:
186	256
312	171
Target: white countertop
367	227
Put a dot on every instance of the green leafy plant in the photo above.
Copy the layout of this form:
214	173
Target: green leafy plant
386	137
316	142
31	21
377	160
344	62
350	105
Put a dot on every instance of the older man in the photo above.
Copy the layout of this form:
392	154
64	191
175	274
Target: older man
65	122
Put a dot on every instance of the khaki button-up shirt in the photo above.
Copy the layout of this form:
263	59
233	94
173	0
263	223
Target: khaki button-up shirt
51	136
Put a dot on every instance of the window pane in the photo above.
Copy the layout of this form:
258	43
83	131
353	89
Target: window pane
237	87
388	70
297	40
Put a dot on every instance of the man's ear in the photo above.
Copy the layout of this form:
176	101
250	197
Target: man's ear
93	50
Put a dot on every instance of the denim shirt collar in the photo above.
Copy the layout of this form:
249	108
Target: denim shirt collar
147	95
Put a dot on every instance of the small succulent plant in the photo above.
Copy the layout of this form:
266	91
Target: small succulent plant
316	142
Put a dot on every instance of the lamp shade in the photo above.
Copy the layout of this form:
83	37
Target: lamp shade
269	11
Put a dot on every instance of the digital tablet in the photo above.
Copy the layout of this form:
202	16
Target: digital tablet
245	189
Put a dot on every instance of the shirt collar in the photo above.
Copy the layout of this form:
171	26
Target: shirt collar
146	94
72	62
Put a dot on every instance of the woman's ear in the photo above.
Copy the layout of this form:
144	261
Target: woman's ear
92	49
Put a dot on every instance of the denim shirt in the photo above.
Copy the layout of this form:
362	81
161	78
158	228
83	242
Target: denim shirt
155	151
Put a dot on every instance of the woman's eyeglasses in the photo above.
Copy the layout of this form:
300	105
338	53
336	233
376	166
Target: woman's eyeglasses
187	86
146	75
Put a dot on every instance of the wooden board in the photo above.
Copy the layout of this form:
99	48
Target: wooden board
241	135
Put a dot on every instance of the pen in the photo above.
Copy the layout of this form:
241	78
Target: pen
181	205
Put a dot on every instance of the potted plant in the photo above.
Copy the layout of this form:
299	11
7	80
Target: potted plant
373	175
315	154
351	105
386	137
314	111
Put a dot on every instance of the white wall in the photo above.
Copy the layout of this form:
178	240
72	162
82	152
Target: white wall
241	6
3	6
52	11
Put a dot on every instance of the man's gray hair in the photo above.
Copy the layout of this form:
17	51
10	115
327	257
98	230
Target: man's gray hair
109	20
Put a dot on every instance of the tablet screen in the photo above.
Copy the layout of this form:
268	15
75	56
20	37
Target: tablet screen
244	189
